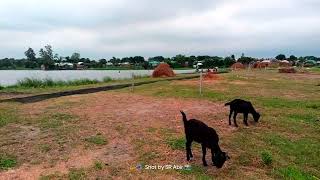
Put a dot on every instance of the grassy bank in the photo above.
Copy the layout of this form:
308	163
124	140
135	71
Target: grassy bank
34	86
43	83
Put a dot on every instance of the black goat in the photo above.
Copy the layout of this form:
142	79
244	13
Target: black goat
198	131
242	106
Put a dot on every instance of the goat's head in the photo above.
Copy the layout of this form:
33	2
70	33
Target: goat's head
256	117
219	158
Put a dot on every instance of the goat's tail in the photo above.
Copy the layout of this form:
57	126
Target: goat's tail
228	103
184	118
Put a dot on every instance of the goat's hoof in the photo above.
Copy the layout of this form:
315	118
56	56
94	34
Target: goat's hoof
205	164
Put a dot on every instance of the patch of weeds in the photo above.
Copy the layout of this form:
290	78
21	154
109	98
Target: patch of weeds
303	117
151	129
98	165
77	174
44	148
176	143
294	174
7	115
266	157
244	159
51	176
147	156
97	139
1	87
120	128
167	131
313	106
7	161
55	120
114	171
198	172
106	79
302	151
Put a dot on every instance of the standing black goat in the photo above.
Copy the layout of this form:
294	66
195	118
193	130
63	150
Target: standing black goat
242	106
198	131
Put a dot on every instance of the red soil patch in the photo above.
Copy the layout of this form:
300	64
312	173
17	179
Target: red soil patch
163	70
211	76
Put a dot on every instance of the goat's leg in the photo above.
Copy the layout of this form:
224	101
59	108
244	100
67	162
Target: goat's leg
188	149
235	119
245	118
212	156
230	114
204	151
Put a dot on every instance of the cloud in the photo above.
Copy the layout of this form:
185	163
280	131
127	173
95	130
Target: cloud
109	28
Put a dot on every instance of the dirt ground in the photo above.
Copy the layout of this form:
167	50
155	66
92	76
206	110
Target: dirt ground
134	125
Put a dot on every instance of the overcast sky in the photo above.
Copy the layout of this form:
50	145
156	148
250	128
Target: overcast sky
106	28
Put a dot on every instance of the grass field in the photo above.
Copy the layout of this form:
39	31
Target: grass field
106	135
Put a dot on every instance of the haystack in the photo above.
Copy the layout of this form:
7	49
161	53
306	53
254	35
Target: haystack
287	70
163	70
237	65
284	63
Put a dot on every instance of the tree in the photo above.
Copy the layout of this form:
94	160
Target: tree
228	61
102	62
292	58
75	57
115	61
281	57
31	55
233	57
156	58
31	59
246	60
47	57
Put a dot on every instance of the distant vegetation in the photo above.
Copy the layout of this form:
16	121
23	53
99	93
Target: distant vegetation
49	60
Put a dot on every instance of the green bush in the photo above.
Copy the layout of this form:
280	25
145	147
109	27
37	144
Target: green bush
7	161
266	157
107	79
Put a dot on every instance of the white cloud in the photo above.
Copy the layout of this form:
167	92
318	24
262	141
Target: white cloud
140	27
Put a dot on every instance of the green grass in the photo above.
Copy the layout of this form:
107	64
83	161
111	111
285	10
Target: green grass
8	115
98	165
294	173
288	131
197	172
7	161
77	174
97	139
176	143
266	157
56	120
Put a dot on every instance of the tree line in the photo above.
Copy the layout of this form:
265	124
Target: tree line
48	59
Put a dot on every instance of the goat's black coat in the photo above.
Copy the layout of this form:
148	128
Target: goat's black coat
242	106
198	131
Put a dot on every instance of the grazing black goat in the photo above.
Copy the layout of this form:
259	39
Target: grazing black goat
242	106
198	131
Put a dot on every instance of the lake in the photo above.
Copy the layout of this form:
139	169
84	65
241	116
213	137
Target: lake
11	77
